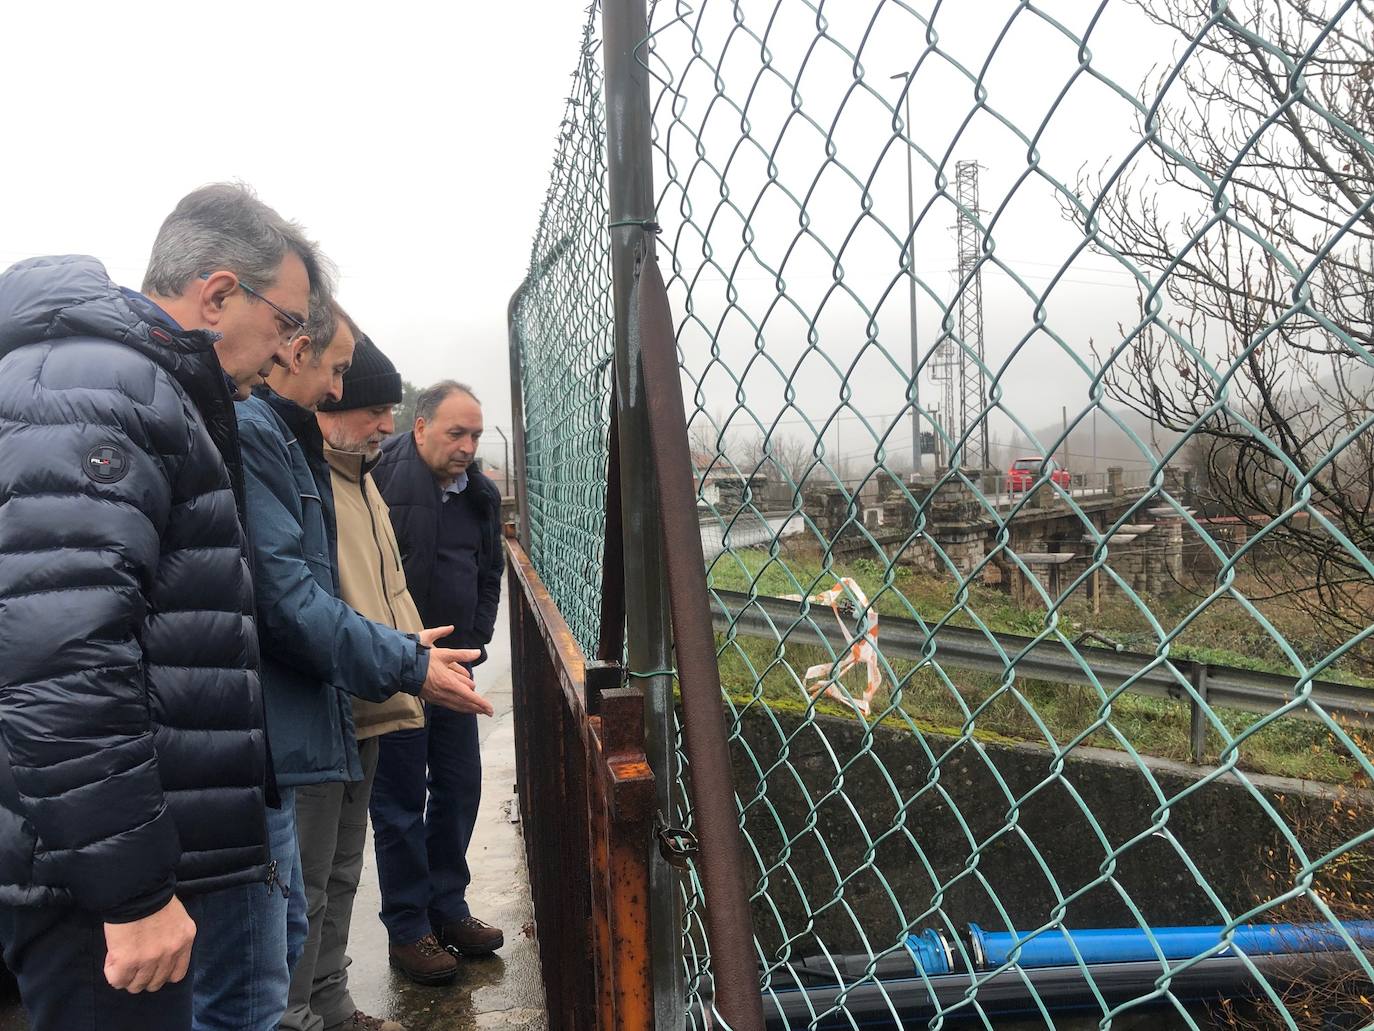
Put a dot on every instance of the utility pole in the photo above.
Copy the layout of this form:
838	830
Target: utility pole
1064	445
967	352
917	459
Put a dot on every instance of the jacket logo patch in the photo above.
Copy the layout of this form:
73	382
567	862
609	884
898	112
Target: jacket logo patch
106	464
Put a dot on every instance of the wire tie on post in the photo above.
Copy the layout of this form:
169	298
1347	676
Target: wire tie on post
648	673
647	224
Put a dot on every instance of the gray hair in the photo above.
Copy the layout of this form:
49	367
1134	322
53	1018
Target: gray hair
322	323
225	226
427	401
358	335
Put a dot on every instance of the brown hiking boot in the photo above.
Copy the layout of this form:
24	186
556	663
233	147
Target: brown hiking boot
471	937
424	961
360	1021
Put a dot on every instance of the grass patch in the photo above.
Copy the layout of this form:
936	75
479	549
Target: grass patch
928	700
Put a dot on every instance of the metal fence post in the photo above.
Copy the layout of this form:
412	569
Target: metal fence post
1197	724
729	925
517	415
630	207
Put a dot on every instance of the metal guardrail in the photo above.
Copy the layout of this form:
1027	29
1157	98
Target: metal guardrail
1197	684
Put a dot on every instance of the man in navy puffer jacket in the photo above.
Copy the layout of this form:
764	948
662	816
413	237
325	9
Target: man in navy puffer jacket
132	760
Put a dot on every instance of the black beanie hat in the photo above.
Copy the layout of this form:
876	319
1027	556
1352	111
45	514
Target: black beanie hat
370	381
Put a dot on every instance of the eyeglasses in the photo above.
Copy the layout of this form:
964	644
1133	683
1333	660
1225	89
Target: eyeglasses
288	324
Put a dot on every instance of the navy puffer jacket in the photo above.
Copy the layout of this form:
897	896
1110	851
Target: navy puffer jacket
132	752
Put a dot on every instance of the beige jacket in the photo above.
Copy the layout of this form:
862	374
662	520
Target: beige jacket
371	579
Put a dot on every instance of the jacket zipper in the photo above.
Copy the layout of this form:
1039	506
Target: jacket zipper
272	879
381	557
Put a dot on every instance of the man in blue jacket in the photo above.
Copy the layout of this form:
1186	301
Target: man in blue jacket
447	518
132	767
316	650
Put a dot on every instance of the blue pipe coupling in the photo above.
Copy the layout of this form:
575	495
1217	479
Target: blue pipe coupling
1056	947
931	952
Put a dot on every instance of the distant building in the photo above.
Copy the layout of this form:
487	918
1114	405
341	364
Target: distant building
723	487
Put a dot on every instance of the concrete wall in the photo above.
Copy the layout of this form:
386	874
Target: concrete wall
888	832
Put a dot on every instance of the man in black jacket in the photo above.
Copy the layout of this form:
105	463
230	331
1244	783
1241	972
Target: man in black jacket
447	518
132	765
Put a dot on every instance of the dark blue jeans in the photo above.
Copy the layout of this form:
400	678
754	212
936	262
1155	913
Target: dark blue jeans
424	806
250	937
58	957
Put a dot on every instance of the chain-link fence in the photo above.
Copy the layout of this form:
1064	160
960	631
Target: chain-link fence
565	320
1026	351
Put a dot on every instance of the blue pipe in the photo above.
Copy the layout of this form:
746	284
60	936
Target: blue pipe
1127	944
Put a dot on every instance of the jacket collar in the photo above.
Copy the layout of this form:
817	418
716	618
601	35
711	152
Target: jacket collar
351	465
300	421
414	484
57	298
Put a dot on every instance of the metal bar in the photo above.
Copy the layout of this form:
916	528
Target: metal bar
620	732
961	648
603	950
1197	730
629	179
548	625
729	927
574	903
517	413
913	1001
571	673
611	633
541	734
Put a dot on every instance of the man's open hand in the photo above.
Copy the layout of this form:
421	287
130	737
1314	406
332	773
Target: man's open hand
447	682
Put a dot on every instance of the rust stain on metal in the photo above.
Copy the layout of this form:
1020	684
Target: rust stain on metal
626	770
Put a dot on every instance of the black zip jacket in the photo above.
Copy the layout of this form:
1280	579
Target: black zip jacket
413	496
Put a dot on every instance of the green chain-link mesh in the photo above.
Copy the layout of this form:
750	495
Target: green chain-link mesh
1100	660
563	321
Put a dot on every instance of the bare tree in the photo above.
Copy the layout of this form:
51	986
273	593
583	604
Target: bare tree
1253	208
704	440
782	460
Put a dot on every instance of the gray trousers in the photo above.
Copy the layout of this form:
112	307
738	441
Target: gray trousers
331	822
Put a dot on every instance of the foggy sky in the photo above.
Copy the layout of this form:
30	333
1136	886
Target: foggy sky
412	140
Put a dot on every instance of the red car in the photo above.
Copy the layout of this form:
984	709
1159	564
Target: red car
1025	471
